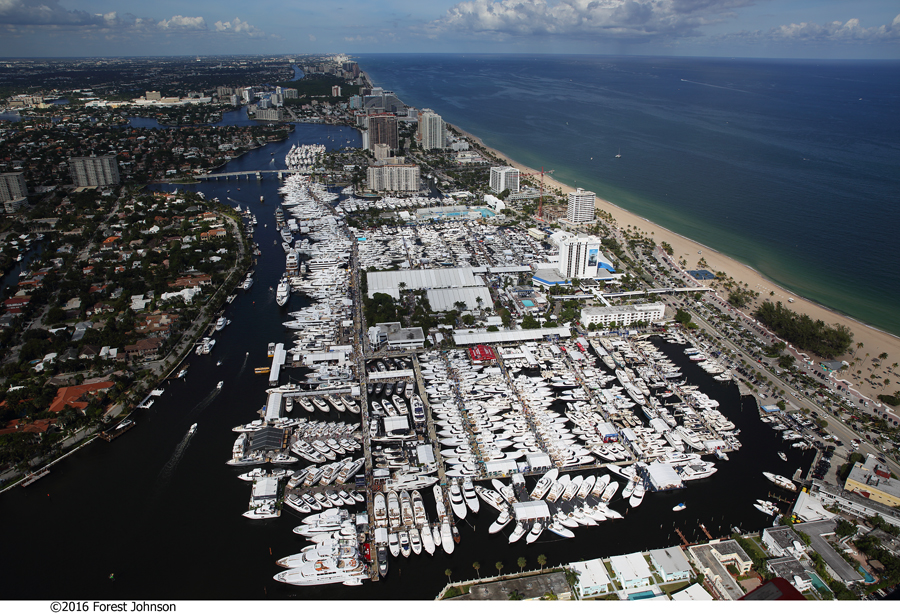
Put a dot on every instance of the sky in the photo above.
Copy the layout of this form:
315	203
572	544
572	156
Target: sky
829	29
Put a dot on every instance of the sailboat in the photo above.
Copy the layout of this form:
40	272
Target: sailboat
619	154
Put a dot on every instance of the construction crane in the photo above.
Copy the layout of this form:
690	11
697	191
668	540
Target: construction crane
540	214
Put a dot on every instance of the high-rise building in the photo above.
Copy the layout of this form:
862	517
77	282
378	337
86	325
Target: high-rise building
579	257
382	151
432	133
94	171
12	186
503	178
383	130
581	206
393	178
336	91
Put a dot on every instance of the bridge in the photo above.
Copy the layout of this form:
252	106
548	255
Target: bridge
247	173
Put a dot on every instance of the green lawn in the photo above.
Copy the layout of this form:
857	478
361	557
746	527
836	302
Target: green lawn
671	588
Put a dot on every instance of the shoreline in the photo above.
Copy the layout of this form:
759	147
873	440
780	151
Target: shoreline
875	341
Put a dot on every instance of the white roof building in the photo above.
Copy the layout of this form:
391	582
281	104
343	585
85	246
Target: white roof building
593	579
631	570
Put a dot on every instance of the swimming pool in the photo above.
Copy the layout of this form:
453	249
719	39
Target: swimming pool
527	303
869	578
641	595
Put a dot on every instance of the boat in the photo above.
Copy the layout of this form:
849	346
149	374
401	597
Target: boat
404	543
517	533
781	481
220	323
469	495
536	529
283	292
192	429
782	456
679	507
500	523
457	503
326	570
428	543
394	544
219	385
415	541
638	496
447	537
544	483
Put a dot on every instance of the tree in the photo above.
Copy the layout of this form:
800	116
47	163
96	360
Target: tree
542	559
477	566
448	572
522	563
499	566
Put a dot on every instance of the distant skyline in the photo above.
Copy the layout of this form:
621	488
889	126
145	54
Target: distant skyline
829	29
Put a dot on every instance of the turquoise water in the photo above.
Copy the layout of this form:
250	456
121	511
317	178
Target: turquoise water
641	595
790	167
528	303
865	573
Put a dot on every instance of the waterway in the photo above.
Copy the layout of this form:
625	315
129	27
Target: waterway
162	512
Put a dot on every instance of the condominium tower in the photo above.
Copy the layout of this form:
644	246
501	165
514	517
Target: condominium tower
94	171
503	178
581	206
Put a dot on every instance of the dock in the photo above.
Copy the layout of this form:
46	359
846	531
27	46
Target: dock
31	478
111	435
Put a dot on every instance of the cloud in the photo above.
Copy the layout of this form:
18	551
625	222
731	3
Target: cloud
239	27
312	38
44	13
49	14
611	19
848	32
183	23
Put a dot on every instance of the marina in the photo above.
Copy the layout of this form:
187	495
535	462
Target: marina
448	404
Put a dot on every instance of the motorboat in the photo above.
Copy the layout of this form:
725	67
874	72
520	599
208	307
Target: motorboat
536	529
544	483
638	496
457	502
517	533
500	523
679	507
469	496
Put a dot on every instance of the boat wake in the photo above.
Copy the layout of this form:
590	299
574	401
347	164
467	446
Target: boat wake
205	402
734	89
165	475
243	365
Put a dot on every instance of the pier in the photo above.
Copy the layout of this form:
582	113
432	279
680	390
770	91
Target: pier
247	173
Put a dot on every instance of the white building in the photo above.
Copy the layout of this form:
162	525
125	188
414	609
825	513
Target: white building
12	186
503	178
393	178
622	315
432	133
631	570
94	171
581	206
579	257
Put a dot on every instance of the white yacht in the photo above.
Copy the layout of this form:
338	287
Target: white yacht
283	292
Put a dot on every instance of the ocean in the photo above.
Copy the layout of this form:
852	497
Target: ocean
791	167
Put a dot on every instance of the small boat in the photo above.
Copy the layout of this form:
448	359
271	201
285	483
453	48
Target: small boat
219	363
679	507
219	385
518	533
394	544
404	543
536	529
782	456
192	429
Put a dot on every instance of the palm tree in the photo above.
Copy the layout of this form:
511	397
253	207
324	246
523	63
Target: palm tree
477	566
522	562
885	382
499	566
448	572
542	559
893	366
858	347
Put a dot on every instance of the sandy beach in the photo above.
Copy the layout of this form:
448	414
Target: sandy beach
875	342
